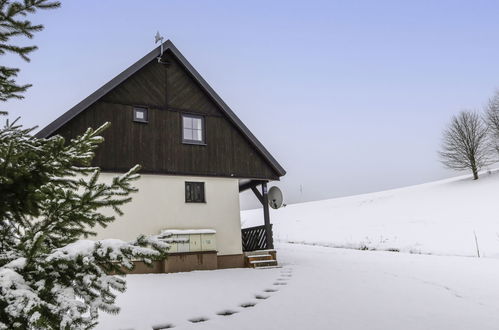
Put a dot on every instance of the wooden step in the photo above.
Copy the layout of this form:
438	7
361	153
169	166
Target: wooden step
260	257
257	252
262	263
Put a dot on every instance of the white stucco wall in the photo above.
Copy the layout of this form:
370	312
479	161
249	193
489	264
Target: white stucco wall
160	204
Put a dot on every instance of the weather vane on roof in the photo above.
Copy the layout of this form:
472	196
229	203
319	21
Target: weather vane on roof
159	38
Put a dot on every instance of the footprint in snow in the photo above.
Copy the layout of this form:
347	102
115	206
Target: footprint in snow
163	326
261	296
248	305
198	319
227	312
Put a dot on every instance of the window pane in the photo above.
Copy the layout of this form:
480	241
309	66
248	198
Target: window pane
197	123
197	192
188	134
187	121
188	192
197	135
140	114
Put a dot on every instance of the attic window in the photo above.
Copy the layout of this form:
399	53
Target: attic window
192	129
140	115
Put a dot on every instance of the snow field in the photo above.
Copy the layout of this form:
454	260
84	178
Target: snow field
325	289
185	300
436	218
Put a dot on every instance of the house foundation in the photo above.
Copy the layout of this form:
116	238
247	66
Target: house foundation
189	261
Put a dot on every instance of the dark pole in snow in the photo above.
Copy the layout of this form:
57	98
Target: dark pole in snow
266	217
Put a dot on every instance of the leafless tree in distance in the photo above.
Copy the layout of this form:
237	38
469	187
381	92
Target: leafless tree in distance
466	143
492	119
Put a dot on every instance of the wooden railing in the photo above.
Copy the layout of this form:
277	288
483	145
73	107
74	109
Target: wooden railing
255	238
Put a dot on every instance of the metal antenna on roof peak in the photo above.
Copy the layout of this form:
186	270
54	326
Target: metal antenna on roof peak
159	38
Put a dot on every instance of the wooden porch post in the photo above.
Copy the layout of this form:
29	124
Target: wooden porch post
266	216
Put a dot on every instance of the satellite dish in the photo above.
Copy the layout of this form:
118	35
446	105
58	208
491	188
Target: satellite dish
275	197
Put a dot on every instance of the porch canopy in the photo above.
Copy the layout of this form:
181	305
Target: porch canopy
259	237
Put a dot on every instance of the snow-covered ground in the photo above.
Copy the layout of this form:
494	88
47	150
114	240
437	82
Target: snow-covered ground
320	288
437	218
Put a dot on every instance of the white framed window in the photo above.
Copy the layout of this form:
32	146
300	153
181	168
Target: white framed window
140	115
193	129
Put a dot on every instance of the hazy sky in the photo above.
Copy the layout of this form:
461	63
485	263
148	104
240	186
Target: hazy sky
349	96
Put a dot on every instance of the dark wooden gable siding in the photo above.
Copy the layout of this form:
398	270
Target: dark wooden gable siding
157	145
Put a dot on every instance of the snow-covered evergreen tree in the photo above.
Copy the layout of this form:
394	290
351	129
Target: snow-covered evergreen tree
13	25
51	276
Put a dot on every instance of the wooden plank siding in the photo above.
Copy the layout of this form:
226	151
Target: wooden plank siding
167	91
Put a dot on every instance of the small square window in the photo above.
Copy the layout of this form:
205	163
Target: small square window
140	115
194	192
193	129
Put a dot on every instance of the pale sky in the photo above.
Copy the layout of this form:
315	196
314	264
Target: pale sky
349	96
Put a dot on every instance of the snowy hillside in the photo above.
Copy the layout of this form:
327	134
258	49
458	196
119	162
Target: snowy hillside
437	218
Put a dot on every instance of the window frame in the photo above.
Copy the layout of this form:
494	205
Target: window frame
193	184
145	110
203	129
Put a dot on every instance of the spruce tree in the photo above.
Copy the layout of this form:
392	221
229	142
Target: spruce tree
51	275
13	24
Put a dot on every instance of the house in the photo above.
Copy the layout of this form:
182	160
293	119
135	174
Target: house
196	157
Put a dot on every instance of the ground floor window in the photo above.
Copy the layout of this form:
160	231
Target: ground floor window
194	192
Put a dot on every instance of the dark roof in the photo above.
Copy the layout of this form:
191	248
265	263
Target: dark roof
167	45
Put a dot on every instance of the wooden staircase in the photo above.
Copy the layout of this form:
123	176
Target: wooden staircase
260	258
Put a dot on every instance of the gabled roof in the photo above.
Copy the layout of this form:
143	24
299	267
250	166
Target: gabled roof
167	45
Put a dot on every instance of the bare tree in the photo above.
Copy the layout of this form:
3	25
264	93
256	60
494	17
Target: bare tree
492	119
466	143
